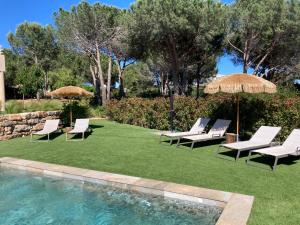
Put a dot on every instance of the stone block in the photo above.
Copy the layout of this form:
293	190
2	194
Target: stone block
33	121
53	113
38	126
7	123
21	128
15	117
25	116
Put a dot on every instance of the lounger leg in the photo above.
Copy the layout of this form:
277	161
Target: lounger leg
48	136
250	153
83	136
192	146
237	155
66	136
218	150
178	142
171	141
275	163
30	137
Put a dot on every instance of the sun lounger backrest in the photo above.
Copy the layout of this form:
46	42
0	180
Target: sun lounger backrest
265	134
51	125
81	124
200	125
293	140
219	128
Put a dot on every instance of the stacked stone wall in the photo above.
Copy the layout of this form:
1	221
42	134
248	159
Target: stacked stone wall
22	124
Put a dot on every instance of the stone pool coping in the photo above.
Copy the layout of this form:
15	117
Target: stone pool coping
236	207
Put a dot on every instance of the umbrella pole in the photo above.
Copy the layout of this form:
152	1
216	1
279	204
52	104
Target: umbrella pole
71	113
237	117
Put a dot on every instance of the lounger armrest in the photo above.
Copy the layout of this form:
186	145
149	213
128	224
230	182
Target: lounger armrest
216	135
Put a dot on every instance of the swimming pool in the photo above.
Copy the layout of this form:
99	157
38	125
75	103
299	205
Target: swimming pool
28	198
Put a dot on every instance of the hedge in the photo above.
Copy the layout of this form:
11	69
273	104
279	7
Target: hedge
255	110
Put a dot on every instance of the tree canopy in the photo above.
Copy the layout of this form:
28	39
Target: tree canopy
259	29
181	32
156	46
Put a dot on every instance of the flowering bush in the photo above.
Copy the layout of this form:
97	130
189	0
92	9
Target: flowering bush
255	110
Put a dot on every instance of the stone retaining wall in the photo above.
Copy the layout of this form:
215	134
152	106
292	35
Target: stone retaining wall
18	125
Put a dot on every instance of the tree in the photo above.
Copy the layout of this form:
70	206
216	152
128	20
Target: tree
29	80
176	31
76	62
121	48
257	28
282	66
12	66
37	44
138	79
89	29
63	77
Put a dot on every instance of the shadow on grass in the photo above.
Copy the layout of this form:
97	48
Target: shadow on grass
78	137
93	126
269	161
45	138
199	144
231	154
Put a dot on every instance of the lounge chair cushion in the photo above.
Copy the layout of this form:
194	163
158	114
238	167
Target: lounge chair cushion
274	151
81	126
197	128
49	127
245	145
291	146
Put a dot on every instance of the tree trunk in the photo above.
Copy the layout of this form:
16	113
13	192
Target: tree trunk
246	57
245	67
101	78
198	81
96	83
46	83
121	80
109	78
175	67
162	83
93	73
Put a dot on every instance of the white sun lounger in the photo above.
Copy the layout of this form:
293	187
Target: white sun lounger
216	132
81	126
49	127
291	147
262	138
197	128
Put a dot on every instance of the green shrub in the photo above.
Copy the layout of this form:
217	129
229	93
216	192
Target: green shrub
79	110
255	110
97	111
18	106
13	107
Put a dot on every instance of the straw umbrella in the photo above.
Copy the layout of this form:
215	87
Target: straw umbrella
239	83
70	92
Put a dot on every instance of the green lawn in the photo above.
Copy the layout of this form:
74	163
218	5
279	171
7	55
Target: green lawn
135	151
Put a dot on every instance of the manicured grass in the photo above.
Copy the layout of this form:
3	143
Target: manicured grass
135	151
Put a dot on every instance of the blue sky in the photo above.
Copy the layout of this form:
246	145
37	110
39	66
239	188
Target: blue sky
15	12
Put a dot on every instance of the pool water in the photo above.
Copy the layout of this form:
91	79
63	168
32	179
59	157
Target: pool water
27	198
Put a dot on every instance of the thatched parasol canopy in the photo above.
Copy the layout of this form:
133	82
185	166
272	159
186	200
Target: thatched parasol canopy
237	83
70	92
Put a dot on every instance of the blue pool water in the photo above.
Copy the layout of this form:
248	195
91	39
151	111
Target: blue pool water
27	198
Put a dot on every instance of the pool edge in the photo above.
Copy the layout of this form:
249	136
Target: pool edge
236	207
